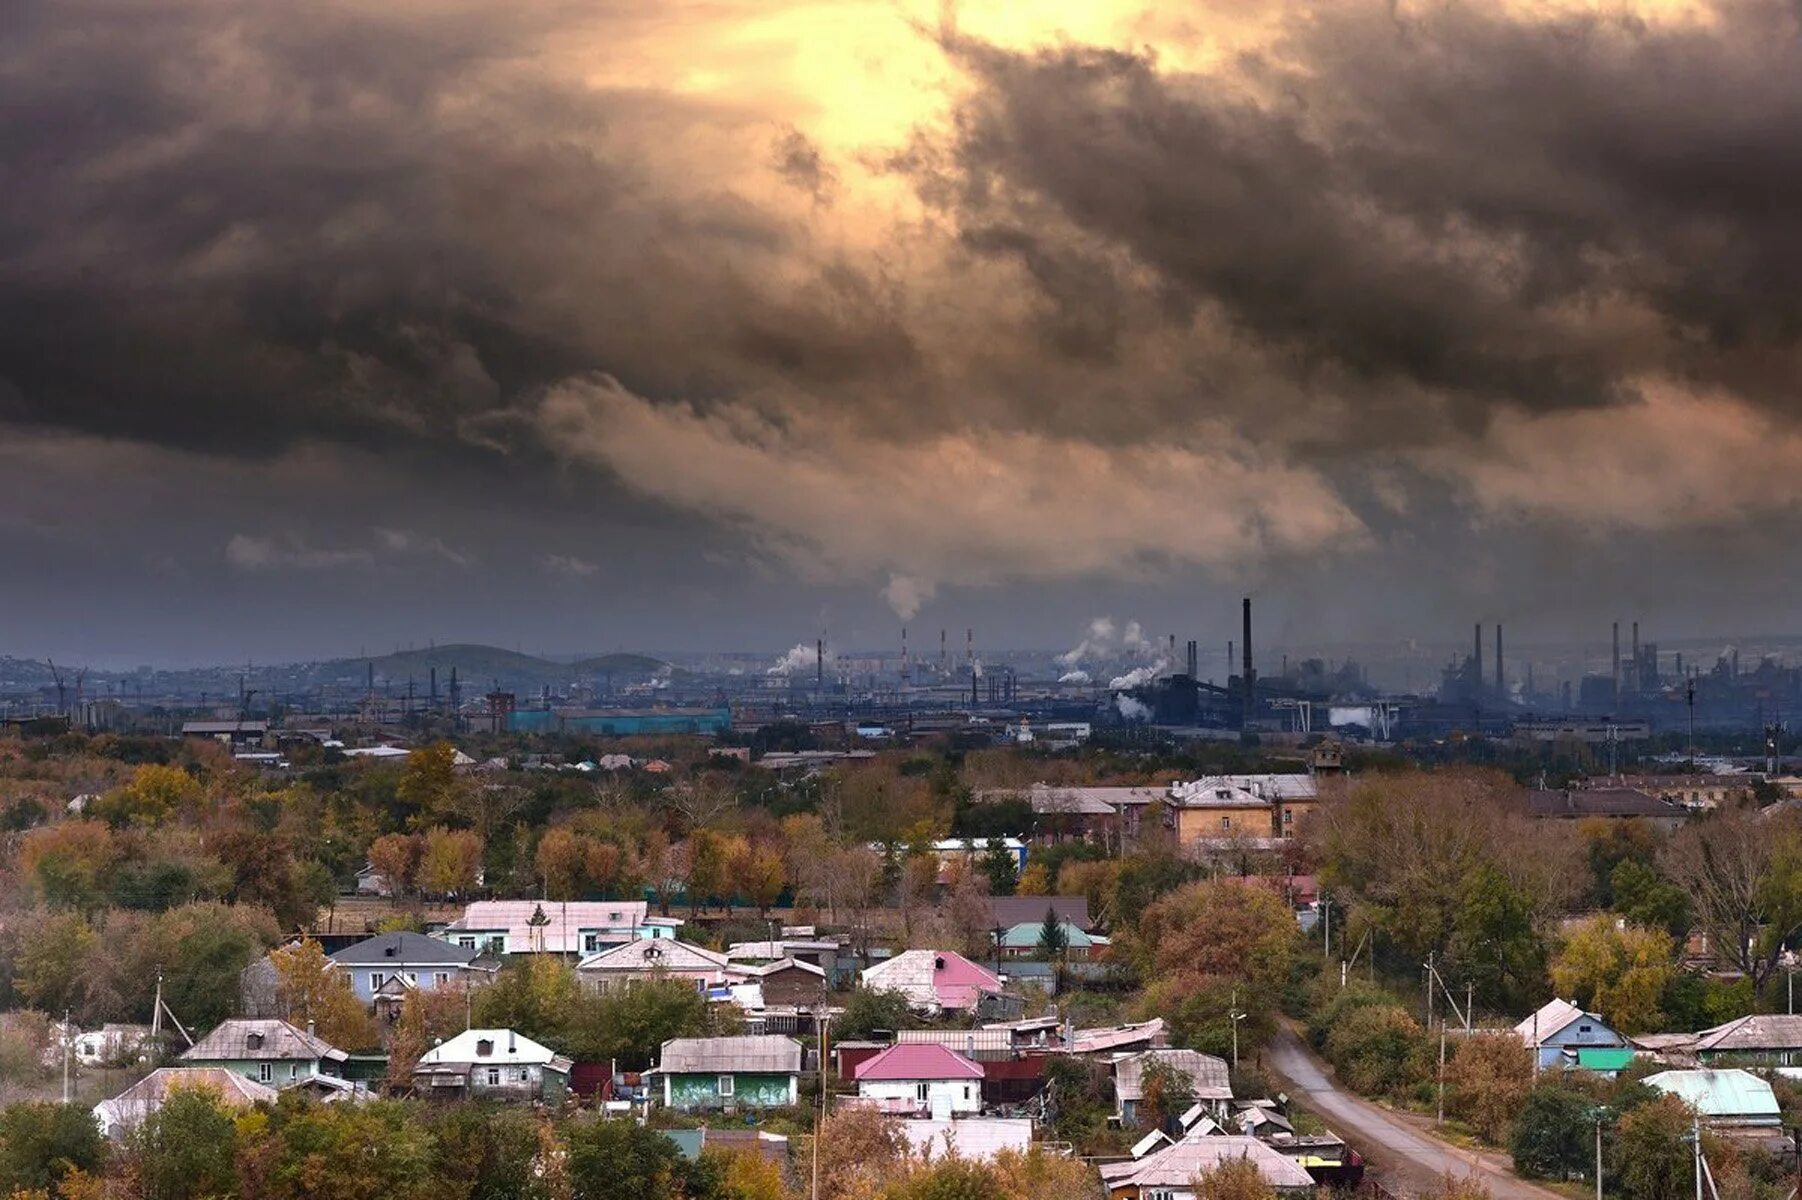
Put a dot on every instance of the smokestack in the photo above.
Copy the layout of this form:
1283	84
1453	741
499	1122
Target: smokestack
970	647
1617	658
1194	659
904	654
1501	687
819	663
1250	678
434	687
944	662
1476	657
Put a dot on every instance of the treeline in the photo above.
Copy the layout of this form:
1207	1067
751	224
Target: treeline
295	1149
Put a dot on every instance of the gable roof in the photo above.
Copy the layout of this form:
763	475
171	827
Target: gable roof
770	1054
1720	1093
916	1060
1174	1166
1025	936
654	954
505	1048
564	922
933	979
1773	1031
1600	802
1207	1074
148	1094
412	949
1551	1019
977	1139
239	1040
1117	1037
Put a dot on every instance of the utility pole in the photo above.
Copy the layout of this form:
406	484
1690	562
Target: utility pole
67	1040
1429	989
1689	692
1326	915
1440	1119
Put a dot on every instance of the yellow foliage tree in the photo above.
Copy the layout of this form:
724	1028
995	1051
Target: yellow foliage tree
308	989
451	861
1619	971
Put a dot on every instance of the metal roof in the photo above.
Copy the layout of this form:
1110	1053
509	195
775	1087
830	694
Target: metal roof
750	1054
1775	1031
1730	1094
403	948
1553	1016
1115	1037
1015	910
504	1048
1207	1074
970	1138
654	954
258	1041
1605	1058
972	1043
917	1060
563	921
1176	1166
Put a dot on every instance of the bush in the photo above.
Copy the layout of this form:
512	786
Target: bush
1379	1050
1551	1134
1488	1080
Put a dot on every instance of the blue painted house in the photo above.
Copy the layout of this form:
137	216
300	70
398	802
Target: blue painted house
407	961
1560	1030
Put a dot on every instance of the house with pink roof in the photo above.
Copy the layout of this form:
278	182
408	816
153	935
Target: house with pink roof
921	1078
934	981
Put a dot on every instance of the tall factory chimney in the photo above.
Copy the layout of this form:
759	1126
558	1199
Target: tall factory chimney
819	664
944	661
904	662
1501	685
1194	659
1477	658
434	689
1617	658
1250	682
970	648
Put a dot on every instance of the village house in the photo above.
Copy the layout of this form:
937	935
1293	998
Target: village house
659	958
1560	1031
270	1052
1169	1173
413	959
753	1071
1210	1084
573	927
921	1079
492	1064
790	983
1768	1040
1236	807
934	981
1727	1100
129	1109
1025	941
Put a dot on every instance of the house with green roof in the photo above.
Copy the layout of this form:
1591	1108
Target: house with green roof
1022	941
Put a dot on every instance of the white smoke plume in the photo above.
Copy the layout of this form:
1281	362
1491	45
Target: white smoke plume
1099	643
1074	677
1131	709
798	661
1137	677
907	595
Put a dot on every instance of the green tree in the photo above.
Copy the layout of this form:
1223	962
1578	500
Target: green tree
868	1010
1551	1138
613	1158
374	1151
41	1143
1495	941
535	995
1379	1050
1000	866
488	1154
1645	897
1651	1158
52	961
187	1149
1054	943
630	1024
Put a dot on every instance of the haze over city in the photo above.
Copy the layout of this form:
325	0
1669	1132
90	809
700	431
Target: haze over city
710	326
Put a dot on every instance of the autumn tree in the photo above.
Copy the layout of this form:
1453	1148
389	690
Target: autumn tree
429	785
1488	1081
451	861
1232	1179
310	991
764	876
1618	972
1743	876
1208	947
69	863
156	793
395	857
1650	1156
858	1147
427	1016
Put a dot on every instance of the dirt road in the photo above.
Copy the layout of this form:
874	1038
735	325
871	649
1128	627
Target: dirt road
1405	1158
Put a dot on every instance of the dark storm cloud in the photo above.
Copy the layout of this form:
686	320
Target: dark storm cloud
1501	210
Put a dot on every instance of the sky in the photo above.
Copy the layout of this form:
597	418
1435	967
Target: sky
725	323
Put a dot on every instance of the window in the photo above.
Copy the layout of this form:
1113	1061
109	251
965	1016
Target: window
727	1084
591	942
440	978
265	1072
920	1091
494	1076
468	943
1582	1029
1226	822
293	1070
376	980
523	1076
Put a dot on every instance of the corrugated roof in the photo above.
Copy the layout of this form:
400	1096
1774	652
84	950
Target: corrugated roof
1208	1075
972	1043
1016	910
144	1097
1721	1094
1114	1037
751	1054
1552	1016
933	979
1771	1031
1604	1058
258	1041
916	1060
1175	1166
